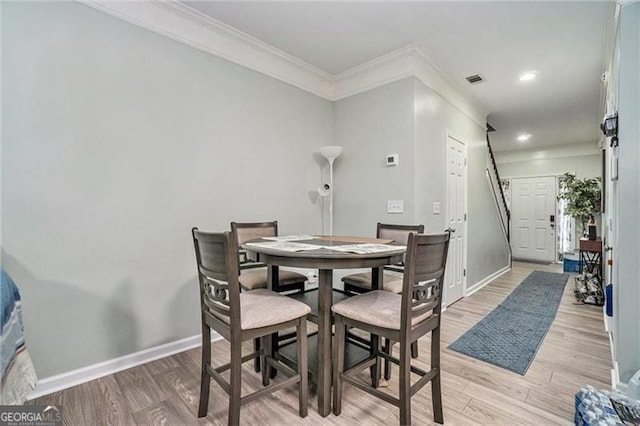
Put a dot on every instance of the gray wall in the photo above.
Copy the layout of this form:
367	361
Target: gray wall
626	288
487	250
117	141
370	126
583	166
409	119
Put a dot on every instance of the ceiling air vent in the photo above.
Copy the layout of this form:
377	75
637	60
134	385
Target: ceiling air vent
475	79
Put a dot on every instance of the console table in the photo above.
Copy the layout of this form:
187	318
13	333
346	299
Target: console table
591	256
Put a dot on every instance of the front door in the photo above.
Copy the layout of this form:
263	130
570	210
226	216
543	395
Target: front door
533	209
456	211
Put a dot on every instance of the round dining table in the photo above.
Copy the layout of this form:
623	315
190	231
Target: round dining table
327	255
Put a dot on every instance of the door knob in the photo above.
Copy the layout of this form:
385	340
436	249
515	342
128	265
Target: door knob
452	230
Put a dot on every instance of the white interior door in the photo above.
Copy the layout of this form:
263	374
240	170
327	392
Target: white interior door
533	209
456	211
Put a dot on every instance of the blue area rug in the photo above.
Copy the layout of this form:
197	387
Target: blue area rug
510	335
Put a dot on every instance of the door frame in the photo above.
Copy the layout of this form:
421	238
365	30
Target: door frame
453	135
555	228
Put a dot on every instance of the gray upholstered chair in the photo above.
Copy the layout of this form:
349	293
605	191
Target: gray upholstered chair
392	276
239	317
401	318
253	274
391	279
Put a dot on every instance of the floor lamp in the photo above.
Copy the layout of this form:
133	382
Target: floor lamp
330	152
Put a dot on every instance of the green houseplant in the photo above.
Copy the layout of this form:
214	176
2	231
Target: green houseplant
583	197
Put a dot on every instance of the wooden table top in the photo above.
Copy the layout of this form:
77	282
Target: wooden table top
325	252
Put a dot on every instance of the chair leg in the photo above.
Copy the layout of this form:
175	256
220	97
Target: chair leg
256	348
338	366
414	349
436	391
205	380
303	370
387	364
274	347
235	382
405	383
266	352
375	368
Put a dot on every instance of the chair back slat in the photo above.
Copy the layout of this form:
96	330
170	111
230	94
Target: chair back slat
423	292
216	257
423	276
424	307
217	296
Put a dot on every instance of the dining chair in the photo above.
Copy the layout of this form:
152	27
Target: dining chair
239	317
401	318
391	278
253	273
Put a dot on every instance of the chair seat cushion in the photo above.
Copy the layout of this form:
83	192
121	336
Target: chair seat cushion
262	308
391	281
379	308
255	278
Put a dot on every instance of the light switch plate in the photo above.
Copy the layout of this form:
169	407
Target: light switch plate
395	206
436	207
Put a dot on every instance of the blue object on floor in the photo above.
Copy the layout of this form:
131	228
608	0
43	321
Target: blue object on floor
571	265
510	335
608	297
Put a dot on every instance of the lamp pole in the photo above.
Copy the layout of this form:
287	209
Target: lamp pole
331	152
331	195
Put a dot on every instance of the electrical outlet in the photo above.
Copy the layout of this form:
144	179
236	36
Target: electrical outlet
395	206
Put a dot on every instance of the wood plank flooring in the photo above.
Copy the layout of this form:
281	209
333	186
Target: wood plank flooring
575	352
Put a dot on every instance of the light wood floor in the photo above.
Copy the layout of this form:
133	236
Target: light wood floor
575	352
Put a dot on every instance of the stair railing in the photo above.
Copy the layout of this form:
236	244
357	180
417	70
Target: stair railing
498	192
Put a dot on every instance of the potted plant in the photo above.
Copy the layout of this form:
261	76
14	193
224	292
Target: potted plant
583	197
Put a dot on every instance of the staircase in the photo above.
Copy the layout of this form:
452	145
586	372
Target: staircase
498	193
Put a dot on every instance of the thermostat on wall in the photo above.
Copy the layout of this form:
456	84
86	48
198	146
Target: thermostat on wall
392	160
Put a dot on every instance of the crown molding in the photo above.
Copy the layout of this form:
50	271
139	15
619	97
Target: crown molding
431	75
181	23
561	151
408	61
382	70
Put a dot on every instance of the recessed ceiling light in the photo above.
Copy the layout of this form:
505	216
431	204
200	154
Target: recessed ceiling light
528	76
524	137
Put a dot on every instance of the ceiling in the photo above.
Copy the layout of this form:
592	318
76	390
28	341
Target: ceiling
565	42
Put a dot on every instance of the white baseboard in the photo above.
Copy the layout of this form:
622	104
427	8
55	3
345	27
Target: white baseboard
615	377
101	369
477	286
91	372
